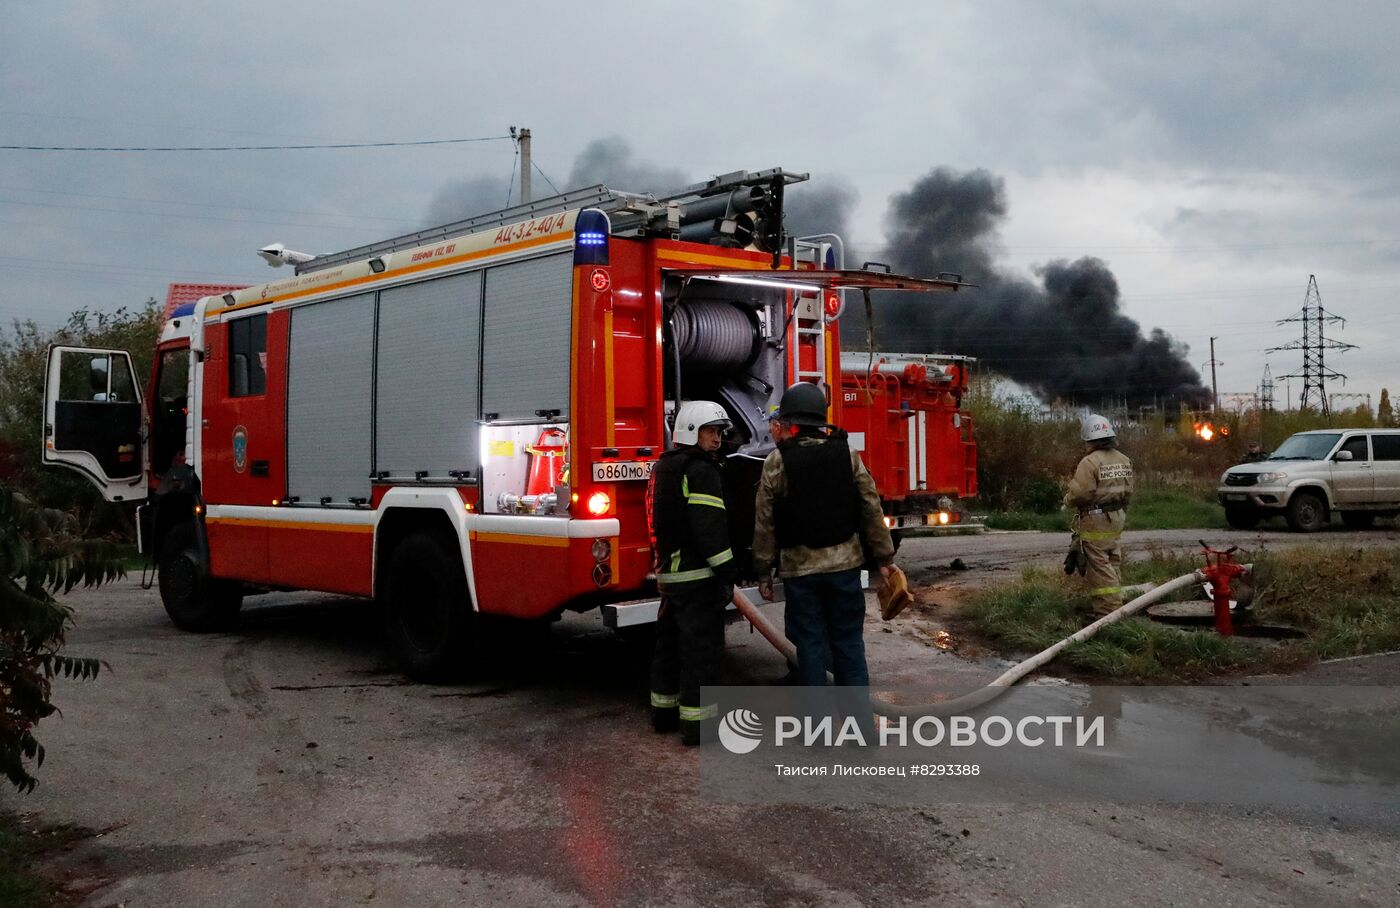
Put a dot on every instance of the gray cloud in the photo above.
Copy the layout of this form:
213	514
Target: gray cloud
1283	110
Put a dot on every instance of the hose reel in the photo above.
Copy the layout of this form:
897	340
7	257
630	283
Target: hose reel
715	337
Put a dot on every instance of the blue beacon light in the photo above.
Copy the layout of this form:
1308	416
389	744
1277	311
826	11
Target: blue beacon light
591	232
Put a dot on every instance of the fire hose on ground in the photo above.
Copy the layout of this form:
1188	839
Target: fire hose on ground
1007	679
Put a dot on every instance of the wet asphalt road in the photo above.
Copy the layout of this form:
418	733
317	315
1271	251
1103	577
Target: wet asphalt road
287	764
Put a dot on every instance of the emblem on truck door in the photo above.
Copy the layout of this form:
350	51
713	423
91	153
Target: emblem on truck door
240	448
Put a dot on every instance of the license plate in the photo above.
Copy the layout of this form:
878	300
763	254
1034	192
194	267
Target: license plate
1236	496
622	470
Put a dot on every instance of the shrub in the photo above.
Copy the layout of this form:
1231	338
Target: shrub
1025	452
41	552
23	353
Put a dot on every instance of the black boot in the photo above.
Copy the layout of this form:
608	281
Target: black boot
665	720
704	731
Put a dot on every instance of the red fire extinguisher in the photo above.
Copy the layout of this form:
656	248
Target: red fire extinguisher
547	457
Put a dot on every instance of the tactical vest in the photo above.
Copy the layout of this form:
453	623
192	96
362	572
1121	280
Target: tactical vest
822	505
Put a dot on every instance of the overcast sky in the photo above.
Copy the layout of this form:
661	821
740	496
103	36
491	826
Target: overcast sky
1213	154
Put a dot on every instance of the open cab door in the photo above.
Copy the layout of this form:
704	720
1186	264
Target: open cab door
93	420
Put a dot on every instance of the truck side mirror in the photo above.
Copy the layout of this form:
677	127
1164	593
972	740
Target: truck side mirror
1342	456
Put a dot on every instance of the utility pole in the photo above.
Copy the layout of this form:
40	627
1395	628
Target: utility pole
1314	345
1214	388
524	141
1266	391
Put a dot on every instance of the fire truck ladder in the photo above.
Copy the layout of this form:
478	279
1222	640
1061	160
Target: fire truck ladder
808	321
809	311
628	212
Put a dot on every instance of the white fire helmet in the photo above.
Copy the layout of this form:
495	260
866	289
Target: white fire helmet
1096	427
693	416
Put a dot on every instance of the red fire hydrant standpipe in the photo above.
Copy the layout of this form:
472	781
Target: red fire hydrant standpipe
1220	569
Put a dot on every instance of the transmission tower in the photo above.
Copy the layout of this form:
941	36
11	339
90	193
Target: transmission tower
1266	391
1314	345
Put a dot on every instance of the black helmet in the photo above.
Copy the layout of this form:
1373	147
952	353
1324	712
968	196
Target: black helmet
803	404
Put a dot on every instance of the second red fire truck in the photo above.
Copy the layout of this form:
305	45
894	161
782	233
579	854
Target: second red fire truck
460	421
904	414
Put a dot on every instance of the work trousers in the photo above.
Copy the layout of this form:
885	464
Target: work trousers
1098	533
824	617
689	644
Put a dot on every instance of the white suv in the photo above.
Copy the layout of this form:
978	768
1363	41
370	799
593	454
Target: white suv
1355	472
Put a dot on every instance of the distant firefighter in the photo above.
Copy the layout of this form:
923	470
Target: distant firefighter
1098	493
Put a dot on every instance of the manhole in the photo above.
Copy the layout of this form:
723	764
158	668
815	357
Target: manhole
1198	614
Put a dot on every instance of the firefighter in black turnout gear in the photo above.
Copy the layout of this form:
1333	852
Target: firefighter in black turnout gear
695	570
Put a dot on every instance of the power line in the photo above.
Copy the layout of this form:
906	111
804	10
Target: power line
188	204
546	177
189	217
139	148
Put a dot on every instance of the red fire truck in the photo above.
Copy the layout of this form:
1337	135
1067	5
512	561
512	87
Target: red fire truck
903	412
459	421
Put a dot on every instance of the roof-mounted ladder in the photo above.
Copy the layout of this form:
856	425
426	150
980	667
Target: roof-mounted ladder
628	212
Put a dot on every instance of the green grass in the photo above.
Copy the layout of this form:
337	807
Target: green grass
1346	601
20	886
1055	522
1175	509
1151	509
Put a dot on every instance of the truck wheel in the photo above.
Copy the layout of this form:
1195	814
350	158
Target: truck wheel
1306	512
1358	520
427	613
194	600
1242	516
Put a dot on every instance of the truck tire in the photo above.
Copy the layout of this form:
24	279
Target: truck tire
194	601
1358	520
428	617
1242	516
1306	512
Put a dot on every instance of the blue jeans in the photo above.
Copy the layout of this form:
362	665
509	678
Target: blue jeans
825	619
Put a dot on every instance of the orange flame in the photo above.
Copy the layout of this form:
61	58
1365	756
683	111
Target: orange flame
1204	430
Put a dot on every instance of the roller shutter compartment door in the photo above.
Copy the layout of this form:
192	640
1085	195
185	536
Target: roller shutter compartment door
525	346
328	400
426	377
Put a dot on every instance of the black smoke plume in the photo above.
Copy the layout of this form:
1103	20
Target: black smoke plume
823	205
609	161
1064	335
462	199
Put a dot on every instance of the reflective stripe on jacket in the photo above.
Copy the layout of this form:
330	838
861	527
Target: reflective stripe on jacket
690	530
